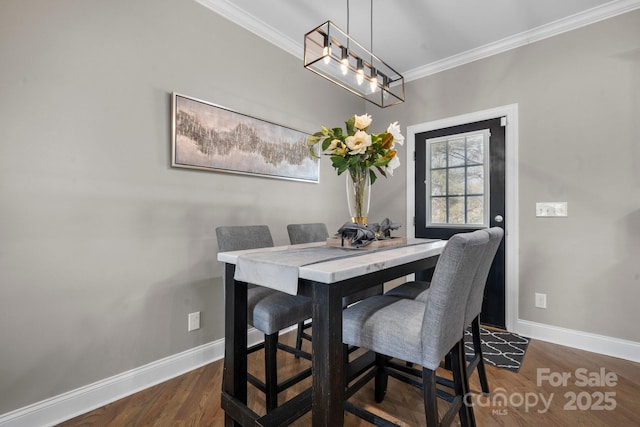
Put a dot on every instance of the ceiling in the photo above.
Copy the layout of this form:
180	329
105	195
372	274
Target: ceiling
420	37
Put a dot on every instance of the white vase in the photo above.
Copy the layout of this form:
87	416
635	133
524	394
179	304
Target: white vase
358	194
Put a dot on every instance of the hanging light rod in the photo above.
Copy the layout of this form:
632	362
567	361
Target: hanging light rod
334	55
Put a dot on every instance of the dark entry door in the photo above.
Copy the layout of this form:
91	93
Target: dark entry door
453	194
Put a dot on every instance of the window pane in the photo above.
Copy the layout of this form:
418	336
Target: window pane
457	179
456	182
439	155
475	149
439	210
475	180
439	182
456	152
456	210
475	210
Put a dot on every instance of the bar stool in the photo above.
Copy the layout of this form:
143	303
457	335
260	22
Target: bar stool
317	232
268	311
422	333
419	291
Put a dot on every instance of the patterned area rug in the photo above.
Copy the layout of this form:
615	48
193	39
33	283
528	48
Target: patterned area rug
500	348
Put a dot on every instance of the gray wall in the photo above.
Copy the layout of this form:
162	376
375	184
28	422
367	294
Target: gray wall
104	248
579	114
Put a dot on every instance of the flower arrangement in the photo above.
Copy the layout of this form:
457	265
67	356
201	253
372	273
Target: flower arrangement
362	154
357	150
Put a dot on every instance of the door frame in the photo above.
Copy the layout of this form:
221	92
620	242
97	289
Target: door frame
511	192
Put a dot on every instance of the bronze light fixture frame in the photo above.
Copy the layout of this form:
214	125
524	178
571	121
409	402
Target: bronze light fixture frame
334	55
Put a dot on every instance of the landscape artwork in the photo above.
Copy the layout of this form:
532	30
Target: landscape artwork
210	137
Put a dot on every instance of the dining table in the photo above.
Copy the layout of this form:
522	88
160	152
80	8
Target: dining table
325	273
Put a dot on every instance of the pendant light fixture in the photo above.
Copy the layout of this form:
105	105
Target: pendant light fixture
334	55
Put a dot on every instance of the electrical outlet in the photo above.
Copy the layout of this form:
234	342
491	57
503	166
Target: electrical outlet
194	321
541	300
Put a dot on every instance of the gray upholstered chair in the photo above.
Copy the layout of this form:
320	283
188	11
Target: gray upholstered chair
317	232
307	233
423	333
419	291
268	311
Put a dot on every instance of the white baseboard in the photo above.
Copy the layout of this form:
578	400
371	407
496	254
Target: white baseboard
623	349
76	402
63	407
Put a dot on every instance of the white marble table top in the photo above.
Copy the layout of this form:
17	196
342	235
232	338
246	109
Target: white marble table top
366	262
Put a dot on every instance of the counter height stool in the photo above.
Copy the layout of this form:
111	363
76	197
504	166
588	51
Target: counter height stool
419	291
317	232
268	311
307	233
422	333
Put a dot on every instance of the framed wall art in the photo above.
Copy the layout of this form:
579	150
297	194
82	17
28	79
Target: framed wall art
209	137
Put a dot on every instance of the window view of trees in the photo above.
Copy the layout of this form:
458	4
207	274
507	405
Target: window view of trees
457	171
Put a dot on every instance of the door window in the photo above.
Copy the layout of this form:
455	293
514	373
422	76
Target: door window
457	190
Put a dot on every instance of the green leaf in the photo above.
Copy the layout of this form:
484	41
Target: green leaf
351	121
354	161
372	176
350	125
382	161
339	161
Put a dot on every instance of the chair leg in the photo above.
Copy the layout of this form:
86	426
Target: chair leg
461	383
477	346
271	371
380	388
299	338
430	397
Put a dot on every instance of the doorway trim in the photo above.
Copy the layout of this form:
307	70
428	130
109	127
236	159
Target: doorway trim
510	111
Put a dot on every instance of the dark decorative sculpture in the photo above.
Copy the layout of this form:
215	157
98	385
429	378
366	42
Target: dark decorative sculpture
361	235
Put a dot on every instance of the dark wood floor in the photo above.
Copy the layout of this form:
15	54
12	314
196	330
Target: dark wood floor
193	399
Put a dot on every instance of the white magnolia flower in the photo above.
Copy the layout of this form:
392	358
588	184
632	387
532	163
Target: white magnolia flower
362	122
394	129
358	143
393	164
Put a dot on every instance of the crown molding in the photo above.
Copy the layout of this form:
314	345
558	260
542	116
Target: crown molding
582	19
233	13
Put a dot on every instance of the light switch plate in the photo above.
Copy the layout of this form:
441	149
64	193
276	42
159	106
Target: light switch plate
551	209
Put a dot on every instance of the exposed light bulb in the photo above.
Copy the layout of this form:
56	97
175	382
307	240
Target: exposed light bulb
326	52
344	66
335	55
373	84
359	71
344	62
